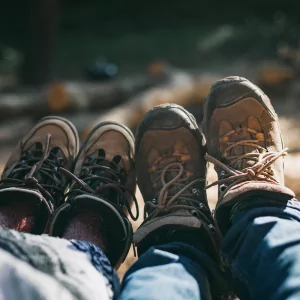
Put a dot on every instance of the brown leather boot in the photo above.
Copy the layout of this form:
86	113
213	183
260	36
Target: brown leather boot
104	181
245	145
171	174
33	173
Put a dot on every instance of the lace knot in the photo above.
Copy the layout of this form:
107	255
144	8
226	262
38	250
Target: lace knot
251	174
30	182
259	171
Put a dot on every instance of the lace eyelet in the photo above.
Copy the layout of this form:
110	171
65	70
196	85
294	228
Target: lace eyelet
213	213
91	159
222	188
154	201
59	161
212	228
201	206
85	171
222	174
194	213
196	192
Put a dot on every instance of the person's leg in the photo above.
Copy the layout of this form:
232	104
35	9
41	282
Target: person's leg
102	193
95	231
99	200
31	188
262	248
43	267
174	270
258	216
177	242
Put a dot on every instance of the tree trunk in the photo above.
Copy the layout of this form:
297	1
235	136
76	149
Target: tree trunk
43	18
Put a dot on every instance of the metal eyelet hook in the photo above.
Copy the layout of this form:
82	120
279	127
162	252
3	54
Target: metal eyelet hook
196	192
222	174
212	228
154	201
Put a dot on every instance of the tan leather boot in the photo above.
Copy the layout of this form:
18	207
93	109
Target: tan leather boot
34	171
245	145
104	180
171	174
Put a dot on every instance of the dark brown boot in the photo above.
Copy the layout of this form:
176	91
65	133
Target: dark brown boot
104	183
171	174
245	145
33	174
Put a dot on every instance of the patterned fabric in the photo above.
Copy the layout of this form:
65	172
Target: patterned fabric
101	263
43	267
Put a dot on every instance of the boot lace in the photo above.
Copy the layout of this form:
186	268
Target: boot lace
43	164
261	170
177	193
100	177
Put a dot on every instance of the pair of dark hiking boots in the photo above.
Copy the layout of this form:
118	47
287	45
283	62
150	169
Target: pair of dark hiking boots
169	161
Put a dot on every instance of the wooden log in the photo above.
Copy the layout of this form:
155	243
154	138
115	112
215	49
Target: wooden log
23	103
182	89
12	130
274	73
82	120
74	96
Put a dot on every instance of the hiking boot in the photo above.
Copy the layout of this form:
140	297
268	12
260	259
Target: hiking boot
245	145
171	174
104	180
34	172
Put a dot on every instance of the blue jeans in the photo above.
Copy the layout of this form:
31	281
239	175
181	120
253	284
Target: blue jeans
262	250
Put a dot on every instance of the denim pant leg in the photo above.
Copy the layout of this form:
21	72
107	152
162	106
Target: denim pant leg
263	249
173	271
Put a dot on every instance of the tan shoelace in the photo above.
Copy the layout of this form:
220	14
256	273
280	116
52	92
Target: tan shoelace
80	185
260	171
166	201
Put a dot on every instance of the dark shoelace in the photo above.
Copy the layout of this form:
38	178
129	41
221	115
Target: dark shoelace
45	162
49	165
104	176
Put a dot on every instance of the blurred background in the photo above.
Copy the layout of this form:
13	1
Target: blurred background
56	39
92	61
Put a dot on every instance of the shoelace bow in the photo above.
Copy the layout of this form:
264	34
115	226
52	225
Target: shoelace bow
46	164
260	171
104	183
165	201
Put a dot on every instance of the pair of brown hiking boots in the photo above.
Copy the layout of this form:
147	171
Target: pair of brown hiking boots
169	159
